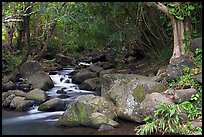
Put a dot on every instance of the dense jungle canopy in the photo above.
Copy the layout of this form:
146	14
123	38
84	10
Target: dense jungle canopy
144	28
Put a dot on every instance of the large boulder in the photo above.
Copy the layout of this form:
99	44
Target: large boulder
54	104
195	43
92	84
127	91
175	68
80	112
152	102
37	95
7	100
40	80
83	75
30	67
20	104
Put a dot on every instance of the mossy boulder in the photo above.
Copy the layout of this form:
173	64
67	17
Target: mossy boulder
79	112
127	91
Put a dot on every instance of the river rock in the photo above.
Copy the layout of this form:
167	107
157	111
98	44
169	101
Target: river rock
184	95
175	68
54	104
127	91
105	127
92	84
95	68
40	80
63	60
98	119
20	104
17	93
195	43
7	100
37	95
29	68
82	75
8	86
79	112
151	103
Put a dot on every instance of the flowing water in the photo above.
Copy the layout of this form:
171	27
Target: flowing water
34	122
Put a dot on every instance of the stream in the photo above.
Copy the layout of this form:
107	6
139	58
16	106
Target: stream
34	122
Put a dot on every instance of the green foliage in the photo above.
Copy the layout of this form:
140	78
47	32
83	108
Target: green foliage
166	120
182	10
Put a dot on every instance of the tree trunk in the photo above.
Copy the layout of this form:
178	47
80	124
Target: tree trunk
178	30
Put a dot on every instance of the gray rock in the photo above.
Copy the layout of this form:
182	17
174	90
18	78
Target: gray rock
97	119
4	96
12	92
183	95
198	78
37	95
40	80
30	67
92	84
8	86
20	104
196	123
7	100
83	75
63	60
54	104
175	68
17	92
105	127
95	68
195	43
127	91
151	103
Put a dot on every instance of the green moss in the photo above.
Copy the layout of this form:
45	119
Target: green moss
139	93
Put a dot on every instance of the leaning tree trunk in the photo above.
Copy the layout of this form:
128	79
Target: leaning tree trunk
178	30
